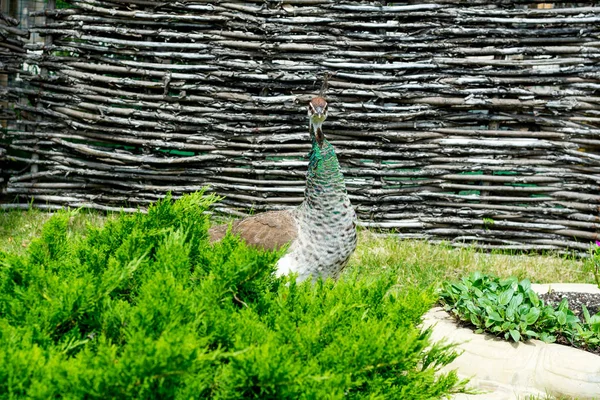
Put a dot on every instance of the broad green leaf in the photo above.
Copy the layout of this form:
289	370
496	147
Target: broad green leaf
522	326
477	292
517	299
467	282
523	309
525	285
515	335
472	307
548	311
586	314
546	337
510	311
484	302
595	323
493	314
459	287
505	296
510	282
561	317
533	298
502	313
531	333
564	305
532	316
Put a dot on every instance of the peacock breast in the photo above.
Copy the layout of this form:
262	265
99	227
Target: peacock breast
327	239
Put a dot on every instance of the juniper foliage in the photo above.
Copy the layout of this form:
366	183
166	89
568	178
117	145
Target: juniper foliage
145	307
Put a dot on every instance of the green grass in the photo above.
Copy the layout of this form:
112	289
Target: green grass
19	228
422	263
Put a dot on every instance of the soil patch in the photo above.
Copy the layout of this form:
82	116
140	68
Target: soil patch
575	299
590	300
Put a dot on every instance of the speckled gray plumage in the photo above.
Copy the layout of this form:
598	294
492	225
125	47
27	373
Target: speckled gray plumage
326	221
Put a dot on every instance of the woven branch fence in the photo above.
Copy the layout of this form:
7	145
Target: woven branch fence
12	47
476	122
12	54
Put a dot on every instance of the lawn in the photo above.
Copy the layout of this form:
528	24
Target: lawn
141	306
422	263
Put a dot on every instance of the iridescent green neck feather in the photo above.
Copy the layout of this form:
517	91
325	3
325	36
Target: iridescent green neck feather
324	175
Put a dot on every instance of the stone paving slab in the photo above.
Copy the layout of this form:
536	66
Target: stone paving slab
507	370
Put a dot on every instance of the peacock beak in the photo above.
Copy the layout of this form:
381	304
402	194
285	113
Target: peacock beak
317	113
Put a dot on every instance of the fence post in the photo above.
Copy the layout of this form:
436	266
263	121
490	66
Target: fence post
51	5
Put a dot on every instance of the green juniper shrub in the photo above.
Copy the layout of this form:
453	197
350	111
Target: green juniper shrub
145	307
510	308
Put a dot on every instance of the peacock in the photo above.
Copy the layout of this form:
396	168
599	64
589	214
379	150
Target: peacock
322	230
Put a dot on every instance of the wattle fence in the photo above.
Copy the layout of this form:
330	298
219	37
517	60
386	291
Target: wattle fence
12	54
476	122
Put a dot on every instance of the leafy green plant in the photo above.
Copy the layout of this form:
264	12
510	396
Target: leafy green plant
510	308
144	307
595	257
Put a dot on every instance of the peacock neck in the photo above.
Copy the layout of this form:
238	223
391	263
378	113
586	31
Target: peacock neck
324	179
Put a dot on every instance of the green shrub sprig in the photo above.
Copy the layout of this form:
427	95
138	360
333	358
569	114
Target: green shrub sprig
510	308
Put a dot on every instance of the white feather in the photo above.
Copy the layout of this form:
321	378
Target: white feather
285	265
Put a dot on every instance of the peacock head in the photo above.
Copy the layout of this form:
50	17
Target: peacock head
317	113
